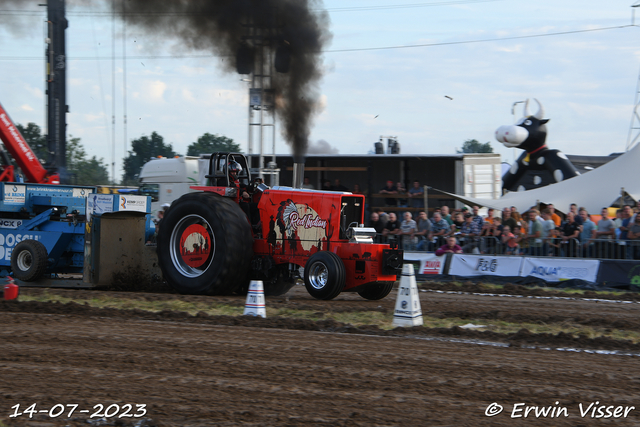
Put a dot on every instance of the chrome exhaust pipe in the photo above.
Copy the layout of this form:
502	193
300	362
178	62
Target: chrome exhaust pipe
298	173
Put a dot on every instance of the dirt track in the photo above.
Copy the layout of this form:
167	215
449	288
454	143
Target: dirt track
199	371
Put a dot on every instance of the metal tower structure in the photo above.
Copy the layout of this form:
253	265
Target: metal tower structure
634	127
256	59
57	108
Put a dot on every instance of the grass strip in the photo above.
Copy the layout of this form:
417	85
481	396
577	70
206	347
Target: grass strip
497	288
361	318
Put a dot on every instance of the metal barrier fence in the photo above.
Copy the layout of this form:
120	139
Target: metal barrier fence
596	248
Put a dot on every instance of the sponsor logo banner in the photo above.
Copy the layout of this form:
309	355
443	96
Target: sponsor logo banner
133	203
62	191
484	265
10	223
558	269
8	240
619	271
81	192
429	262
97	204
432	265
15	194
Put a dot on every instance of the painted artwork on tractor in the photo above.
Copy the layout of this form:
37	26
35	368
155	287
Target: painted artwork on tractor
196	245
297	224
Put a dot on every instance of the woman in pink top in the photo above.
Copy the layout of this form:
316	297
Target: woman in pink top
510	240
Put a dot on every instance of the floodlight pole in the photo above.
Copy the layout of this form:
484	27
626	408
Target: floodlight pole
632	137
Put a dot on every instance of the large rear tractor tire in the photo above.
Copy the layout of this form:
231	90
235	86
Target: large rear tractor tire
29	260
324	275
376	290
205	245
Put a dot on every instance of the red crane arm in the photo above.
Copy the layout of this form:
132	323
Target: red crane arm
22	153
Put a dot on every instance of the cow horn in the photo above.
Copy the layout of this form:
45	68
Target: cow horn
527	113
540	114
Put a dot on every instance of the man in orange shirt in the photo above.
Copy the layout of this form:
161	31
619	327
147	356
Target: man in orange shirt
489	217
554	216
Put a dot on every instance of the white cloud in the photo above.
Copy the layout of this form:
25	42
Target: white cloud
153	91
93	117
187	95
512	49
322	103
36	92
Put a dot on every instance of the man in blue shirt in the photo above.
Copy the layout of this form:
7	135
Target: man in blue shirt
439	228
416	193
587	234
624	228
477	218
469	232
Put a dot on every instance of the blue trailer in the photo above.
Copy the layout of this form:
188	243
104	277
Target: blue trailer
42	229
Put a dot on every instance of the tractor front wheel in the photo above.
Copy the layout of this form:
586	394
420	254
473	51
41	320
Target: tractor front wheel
324	275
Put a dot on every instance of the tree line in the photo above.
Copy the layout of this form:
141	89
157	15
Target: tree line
85	170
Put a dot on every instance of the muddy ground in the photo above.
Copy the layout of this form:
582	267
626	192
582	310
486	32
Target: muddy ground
236	371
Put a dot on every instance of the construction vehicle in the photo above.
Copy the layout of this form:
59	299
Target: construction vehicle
41	229
41	225
215	240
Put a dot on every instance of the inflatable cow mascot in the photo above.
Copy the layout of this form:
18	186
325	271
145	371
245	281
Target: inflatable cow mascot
538	165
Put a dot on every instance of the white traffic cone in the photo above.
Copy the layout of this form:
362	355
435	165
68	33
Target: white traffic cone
408	311
255	300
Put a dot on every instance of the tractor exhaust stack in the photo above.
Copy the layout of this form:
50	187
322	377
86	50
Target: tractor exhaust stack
298	172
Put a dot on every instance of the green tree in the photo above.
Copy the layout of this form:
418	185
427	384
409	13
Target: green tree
84	171
76	153
142	150
38	142
208	144
473	146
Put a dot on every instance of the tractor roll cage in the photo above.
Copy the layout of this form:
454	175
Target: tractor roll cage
218	164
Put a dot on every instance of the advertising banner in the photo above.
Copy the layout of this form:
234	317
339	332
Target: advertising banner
15	194
429	262
134	203
619	272
467	265
100	203
558	269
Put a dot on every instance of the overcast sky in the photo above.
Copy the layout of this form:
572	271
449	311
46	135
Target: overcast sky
456	86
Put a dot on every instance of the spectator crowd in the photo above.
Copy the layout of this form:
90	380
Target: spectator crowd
535	232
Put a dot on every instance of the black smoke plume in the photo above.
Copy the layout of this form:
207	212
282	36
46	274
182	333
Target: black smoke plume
298	28
20	17
322	147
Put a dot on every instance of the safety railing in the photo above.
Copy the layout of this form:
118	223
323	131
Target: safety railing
594	248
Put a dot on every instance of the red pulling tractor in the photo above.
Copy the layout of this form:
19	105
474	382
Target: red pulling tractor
214	241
